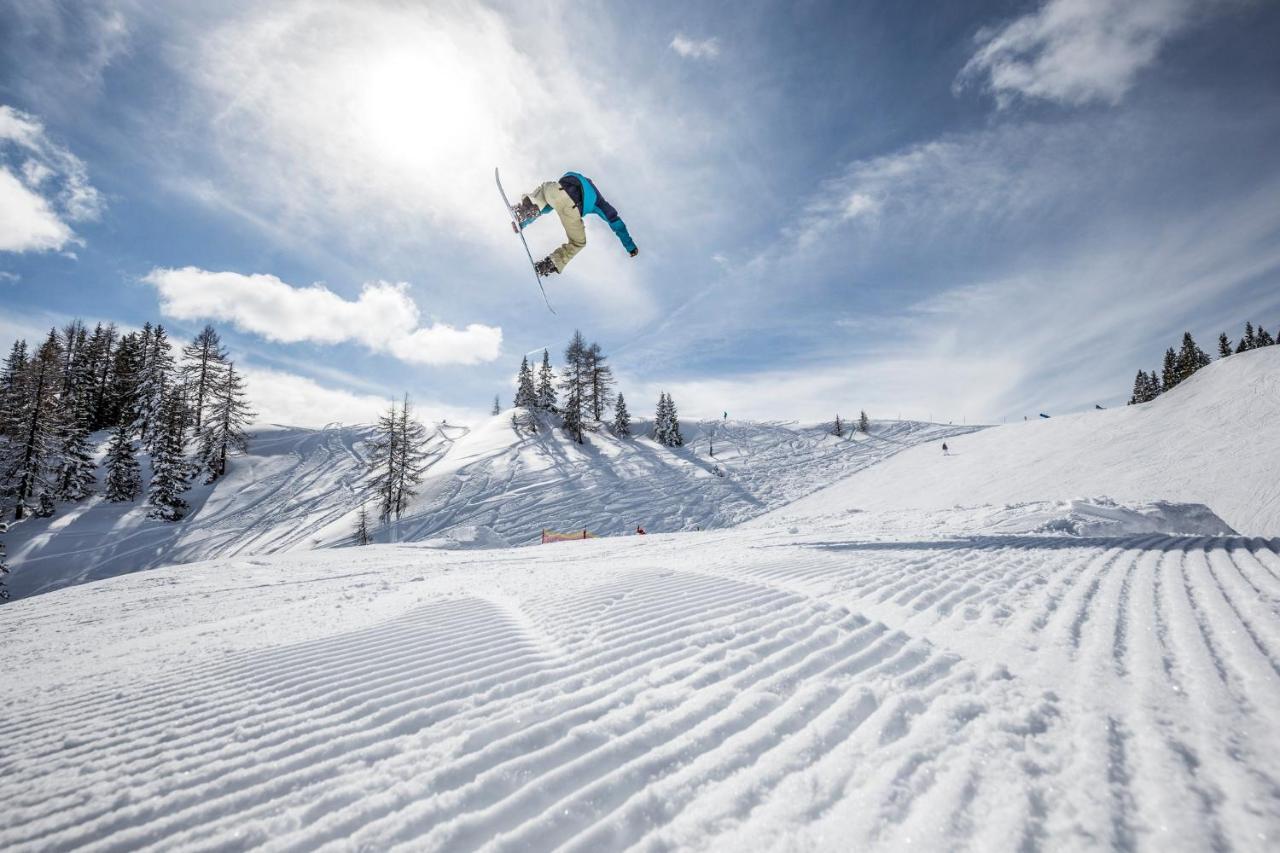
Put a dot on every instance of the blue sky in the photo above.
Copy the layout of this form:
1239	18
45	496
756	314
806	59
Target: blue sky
957	211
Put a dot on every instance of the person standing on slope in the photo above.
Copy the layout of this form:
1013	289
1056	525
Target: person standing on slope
572	197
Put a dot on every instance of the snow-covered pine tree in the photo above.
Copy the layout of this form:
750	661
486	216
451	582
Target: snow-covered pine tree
1146	387
74	337
12	390
573	382
203	362
228	415
572	413
1224	345
382	462
526	396
621	418
25	469
1190	358
661	420
153	387
599	382
546	399
497	406
1263	338
121	403
1170	374
124	478
98	356
674	437
75	471
864	424
412	464
837	429
361	534
170	470
1247	342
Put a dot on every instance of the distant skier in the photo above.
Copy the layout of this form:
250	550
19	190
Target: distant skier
572	197
945	452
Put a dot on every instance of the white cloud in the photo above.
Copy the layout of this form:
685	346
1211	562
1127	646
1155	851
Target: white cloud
384	318
285	398
27	222
43	187
1075	51
695	48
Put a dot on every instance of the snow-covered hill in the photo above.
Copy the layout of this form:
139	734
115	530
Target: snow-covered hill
1214	440
945	680
300	489
831	675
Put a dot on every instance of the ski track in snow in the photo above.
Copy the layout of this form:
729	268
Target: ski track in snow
748	689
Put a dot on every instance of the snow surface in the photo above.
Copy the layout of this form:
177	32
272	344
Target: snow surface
1057	672
300	489
880	681
1214	440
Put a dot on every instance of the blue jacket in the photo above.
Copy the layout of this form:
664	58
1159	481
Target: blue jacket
588	200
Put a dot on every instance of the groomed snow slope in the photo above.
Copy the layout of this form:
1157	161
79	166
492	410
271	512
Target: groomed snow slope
1214	440
883	681
300	489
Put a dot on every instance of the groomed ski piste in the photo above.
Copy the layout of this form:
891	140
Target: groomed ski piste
1049	673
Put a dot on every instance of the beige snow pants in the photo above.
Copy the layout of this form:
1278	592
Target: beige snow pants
574	229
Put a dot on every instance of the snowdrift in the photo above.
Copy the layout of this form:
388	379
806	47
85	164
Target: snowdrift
1213	440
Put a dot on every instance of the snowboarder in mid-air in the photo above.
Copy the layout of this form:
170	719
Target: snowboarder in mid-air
572	197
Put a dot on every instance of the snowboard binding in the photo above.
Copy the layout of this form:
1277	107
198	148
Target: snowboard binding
525	212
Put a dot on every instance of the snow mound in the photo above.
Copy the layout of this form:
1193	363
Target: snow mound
1212	440
467	536
1105	517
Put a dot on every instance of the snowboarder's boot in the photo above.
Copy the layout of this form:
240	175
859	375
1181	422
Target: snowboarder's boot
545	267
525	212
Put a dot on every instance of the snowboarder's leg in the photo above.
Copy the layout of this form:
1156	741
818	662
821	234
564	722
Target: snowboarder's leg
574	229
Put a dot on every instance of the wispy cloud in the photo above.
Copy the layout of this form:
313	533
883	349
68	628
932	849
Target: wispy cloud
708	48
64	48
43	187
1075	51
381	124
384	318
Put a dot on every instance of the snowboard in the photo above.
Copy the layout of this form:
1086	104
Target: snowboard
515	226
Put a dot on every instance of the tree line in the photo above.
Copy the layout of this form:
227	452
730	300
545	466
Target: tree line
587	384
1181	363
187	411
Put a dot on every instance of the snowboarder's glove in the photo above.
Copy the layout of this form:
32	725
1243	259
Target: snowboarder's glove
545	267
634	252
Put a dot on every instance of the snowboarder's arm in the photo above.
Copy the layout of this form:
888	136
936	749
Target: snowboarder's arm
615	222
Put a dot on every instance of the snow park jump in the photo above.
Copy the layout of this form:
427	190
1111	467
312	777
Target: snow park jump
988	558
